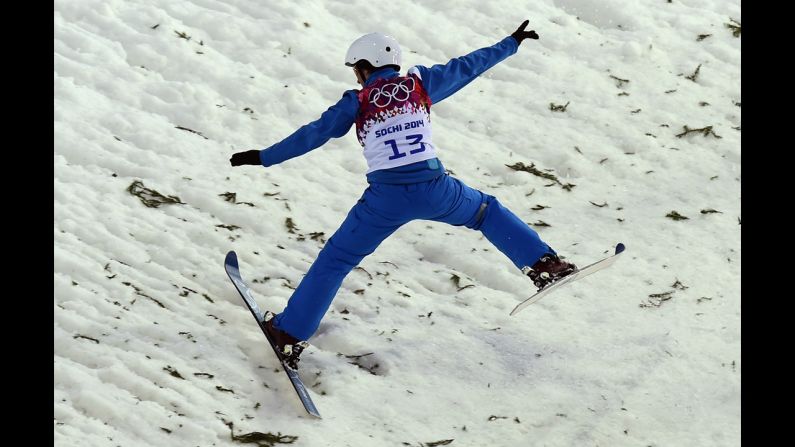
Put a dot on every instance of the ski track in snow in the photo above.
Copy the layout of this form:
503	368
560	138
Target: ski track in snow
153	346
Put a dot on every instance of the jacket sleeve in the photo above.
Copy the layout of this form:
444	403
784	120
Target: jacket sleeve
441	81
333	123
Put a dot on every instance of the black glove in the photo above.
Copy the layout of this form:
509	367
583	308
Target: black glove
520	34
246	158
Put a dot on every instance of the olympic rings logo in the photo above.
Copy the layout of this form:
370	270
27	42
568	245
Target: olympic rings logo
383	96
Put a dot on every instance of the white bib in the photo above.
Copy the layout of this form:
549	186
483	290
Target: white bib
394	123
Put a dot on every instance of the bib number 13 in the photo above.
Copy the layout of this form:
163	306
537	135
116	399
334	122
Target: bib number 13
414	140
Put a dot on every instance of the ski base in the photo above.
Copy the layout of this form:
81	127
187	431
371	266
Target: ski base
579	274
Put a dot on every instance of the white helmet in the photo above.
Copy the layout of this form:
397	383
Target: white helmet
376	48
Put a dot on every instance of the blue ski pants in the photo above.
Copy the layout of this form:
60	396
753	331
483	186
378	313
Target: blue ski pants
383	209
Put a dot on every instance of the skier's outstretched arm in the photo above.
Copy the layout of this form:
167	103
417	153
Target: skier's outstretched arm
441	81
333	123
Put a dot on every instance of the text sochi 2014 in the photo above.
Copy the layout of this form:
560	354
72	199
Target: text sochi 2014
399	127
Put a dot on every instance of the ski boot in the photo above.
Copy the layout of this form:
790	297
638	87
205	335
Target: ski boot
287	347
548	269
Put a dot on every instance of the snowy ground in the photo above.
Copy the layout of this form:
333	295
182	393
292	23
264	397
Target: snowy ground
153	346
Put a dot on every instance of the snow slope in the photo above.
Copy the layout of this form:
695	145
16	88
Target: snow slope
153	346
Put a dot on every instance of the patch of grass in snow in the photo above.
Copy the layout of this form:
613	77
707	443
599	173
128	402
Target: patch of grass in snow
437	443
676	216
87	338
519	166
232	197
150	197
678	285
706	131
656	299
139	293
734	26
457	281
259	438
192	131
693	76
619	82
173	372
290	225
369	366
182	35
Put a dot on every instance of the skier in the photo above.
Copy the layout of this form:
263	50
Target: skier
406	179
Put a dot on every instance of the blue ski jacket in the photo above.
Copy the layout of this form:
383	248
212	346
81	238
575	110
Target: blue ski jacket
440	81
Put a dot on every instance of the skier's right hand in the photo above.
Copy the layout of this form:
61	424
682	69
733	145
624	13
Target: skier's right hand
246	158
520	34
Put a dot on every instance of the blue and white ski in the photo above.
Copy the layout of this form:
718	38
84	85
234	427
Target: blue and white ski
233	270
580	273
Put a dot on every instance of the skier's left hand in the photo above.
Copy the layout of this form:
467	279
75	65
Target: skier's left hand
520	34
246	158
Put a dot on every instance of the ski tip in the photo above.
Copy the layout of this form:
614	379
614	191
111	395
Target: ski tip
620	247
231	259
